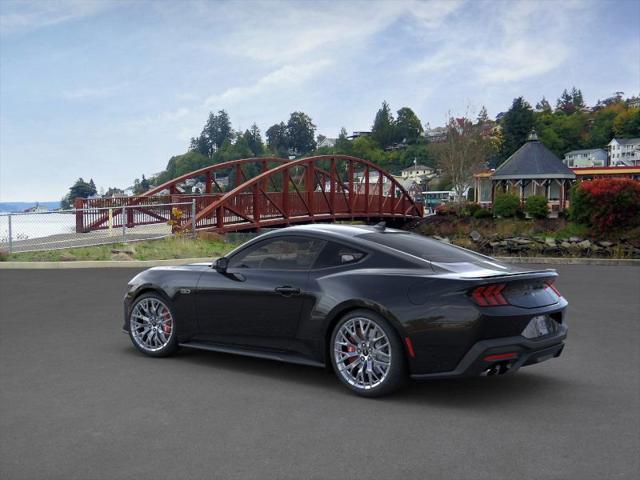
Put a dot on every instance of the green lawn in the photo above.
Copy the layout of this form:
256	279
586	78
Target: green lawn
163	249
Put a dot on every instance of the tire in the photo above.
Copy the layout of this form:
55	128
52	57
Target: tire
367	354
152	325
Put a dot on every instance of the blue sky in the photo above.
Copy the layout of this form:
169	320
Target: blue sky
112	89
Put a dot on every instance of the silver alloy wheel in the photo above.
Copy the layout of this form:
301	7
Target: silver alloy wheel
362	353
151	324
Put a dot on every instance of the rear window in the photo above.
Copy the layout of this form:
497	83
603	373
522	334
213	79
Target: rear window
448	256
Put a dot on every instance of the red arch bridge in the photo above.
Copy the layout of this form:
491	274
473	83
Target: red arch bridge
260	192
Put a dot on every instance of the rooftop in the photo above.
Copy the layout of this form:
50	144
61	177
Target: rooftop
533	160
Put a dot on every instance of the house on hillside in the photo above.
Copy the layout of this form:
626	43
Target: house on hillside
417	172
327	142
532	170
624	152
593	157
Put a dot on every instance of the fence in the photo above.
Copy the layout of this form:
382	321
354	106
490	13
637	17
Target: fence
53	230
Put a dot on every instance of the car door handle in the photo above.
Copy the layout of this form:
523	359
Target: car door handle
287	291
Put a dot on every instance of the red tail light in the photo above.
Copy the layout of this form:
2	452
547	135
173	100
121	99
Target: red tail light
489	295
550	284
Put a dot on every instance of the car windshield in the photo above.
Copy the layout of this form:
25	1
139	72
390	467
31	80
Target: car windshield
440	254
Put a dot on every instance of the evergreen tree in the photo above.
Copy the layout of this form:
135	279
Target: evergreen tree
382	130
408	126
301	133
565	103
517	123
543	106
483	116
576	99
216	131
343	144
253	138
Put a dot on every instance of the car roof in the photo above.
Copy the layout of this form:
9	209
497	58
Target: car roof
335	230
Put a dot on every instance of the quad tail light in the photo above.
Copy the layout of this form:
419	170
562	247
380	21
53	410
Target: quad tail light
489	295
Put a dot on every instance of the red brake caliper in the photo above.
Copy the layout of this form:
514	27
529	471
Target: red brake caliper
166	327
351	349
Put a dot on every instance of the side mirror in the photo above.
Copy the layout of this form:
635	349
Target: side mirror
221	265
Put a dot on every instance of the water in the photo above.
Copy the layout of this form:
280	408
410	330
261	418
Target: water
28	226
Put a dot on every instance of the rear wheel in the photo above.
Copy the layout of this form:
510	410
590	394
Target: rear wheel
367	354
152	325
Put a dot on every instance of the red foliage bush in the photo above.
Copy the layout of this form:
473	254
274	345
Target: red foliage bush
607	204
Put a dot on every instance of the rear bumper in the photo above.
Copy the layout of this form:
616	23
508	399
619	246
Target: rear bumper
527	352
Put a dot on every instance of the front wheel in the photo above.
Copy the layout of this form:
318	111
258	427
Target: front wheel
367	354
152	326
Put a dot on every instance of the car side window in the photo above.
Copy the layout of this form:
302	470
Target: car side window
284	253
335	255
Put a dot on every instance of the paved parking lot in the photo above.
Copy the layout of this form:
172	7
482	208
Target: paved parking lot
77	401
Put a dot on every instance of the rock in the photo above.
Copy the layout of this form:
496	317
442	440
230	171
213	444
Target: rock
605	244
585	244
566	245
575	239
550	241
121	257
475	236
495	244
522	241
67	257
126	251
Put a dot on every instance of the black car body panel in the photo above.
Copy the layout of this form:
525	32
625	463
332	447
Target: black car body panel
289	314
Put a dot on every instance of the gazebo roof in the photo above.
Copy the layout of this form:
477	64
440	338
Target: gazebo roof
532	160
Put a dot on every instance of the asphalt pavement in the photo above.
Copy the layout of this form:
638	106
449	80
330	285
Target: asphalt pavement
78	401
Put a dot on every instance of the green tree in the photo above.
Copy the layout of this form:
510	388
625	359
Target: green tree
565	103
80	189
483	116
253	138
577	99
216	131
627	124
383	130
343	144
517	123
277	139
408	126
544	106
367	148
301	133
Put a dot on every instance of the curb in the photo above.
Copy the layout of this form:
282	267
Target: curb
612	262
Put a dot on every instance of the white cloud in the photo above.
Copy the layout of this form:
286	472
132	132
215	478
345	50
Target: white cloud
285	77
24	15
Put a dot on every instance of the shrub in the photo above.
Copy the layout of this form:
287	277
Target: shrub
446	209
469	209
483	213
607	203
506	205
536	206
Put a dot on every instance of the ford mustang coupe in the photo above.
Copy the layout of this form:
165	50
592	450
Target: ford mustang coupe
375	304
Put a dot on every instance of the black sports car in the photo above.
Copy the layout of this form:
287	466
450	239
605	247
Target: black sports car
375	304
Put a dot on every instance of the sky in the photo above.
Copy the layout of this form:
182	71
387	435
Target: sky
111	89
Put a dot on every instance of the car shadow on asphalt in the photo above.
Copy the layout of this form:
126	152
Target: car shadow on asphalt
494	391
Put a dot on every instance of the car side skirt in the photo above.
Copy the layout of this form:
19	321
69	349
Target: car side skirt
280	356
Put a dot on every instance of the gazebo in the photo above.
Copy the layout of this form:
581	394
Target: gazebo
532	170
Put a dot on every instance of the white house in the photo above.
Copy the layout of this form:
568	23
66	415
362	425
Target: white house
593	157
624	152
417	172
327	142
